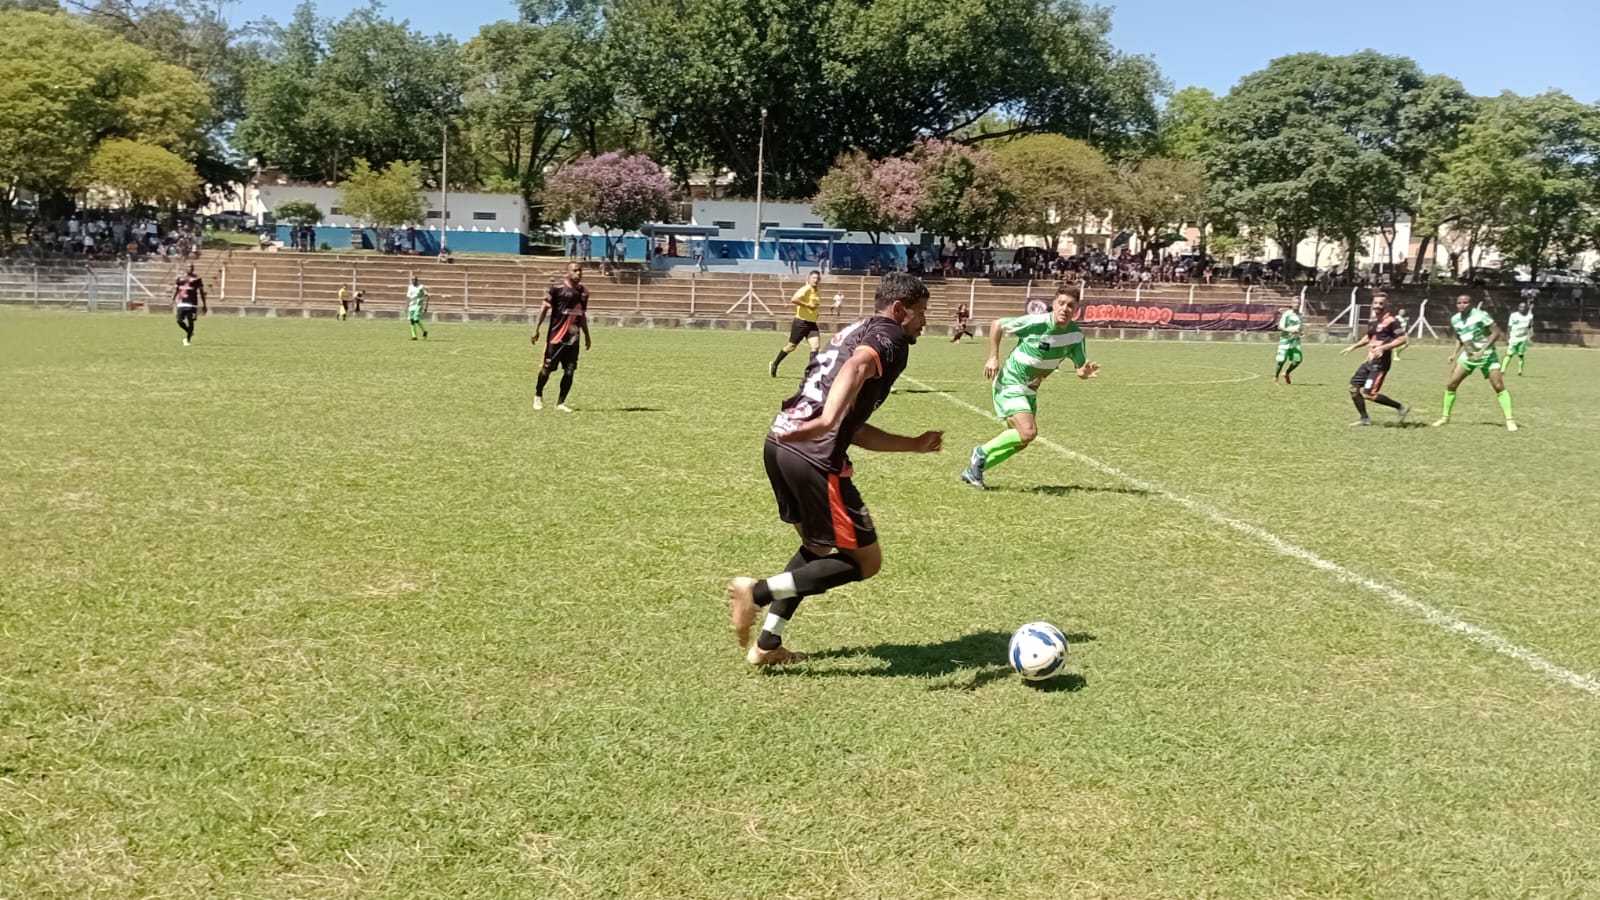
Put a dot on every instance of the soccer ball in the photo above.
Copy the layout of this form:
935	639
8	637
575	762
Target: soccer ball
1038	650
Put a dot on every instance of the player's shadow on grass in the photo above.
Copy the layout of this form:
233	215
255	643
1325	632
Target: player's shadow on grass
981	655
628	409
1067	490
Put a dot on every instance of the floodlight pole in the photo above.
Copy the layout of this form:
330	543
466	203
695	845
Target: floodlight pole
761	151
444	187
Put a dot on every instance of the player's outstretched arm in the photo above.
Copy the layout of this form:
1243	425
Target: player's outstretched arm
857	370
870	437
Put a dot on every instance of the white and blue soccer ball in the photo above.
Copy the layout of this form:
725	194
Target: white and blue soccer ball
1038	651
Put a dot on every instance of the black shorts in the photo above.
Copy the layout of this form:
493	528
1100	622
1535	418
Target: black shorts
186	314
825	505
560	355
1369	376
801	329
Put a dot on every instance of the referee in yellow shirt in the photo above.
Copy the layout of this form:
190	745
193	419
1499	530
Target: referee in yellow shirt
806	305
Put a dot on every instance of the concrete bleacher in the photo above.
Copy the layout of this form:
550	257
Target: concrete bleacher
512	288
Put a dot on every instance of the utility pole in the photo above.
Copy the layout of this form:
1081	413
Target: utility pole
761	149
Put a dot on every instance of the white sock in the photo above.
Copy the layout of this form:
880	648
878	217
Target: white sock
781	585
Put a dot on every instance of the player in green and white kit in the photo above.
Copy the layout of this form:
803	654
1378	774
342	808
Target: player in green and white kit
1476	335
1045	341
416	307
1288	344
1521	328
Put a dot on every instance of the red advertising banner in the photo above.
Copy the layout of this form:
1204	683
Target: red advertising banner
1180	316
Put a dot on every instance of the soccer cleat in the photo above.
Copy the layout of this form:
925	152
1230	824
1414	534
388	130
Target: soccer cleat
1510	425
777	656
186	342
773	369
1404	411
1361	422
742	600
538	403
424	335
1443	421
973	473
563	407
1286	379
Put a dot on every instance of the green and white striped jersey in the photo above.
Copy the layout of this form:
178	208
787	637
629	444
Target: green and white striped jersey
1473	330
1288	340
1521	327
1041	348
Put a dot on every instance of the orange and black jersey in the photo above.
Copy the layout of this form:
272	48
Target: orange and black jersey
1381	331
890	347
568	308
190	287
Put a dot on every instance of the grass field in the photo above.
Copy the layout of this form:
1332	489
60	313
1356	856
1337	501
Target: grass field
308	609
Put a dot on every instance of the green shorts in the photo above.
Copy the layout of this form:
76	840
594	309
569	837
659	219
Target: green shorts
1520	348
1010	399
1489	363
1288	354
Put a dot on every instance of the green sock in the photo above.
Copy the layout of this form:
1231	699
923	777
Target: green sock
1449	402
1004	446
1505	403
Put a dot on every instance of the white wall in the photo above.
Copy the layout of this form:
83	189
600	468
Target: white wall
507	211
742	215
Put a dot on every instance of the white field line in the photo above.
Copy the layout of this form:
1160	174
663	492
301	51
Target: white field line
1483	637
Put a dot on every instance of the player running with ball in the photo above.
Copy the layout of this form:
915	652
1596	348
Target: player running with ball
808	464
1044	342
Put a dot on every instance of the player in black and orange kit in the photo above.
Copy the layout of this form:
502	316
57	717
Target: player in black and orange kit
567	306
808	464
188	288
1384	335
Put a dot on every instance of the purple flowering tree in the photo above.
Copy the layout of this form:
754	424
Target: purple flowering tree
858	194
614	191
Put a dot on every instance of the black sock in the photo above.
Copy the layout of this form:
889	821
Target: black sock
816	576
1361	405
781	355
566	385
1381	400
1279	371
1292	367
538	387
763	594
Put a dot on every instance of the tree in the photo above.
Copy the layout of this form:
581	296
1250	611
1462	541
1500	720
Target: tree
894	72
614	191
1553	184
535	94
1188	124
298	212
1058	182
325	93
1326	144
860	195
388	198
965	193
54	116
142	173
1156	196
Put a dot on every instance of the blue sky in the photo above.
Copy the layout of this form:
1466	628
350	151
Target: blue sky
1526	46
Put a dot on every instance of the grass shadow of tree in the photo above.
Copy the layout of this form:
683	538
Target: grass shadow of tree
965	663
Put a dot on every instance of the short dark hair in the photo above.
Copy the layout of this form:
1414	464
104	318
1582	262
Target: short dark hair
1070	290
901	286
816	272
